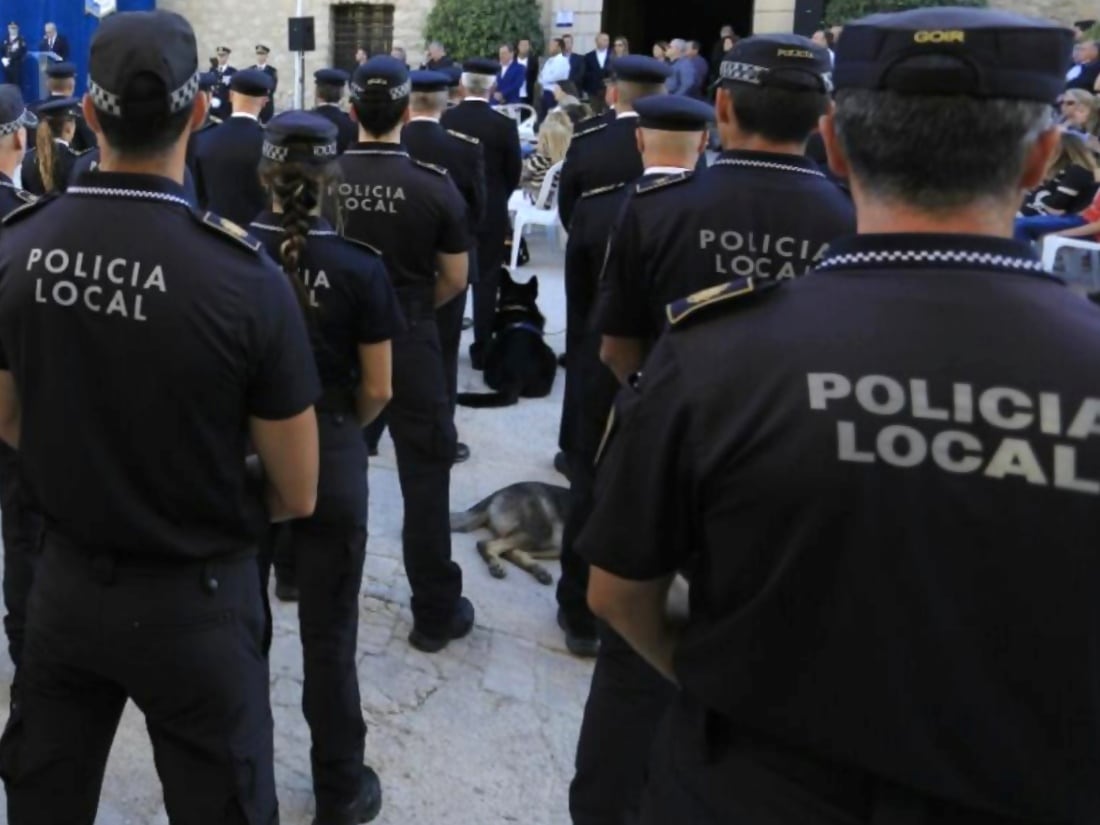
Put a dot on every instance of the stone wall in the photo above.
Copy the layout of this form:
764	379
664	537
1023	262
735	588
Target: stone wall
1065	11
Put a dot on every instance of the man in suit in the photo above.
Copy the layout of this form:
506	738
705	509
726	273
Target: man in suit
683	75
437	57
227	156
220	103
576	62
330	91
1088	52
13	53
528	92
595	70
499	138
262	52
512	77
699	68
54	42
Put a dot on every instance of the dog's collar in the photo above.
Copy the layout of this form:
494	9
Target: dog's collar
527	325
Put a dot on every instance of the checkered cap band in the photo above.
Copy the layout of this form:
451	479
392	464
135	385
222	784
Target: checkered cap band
14	126
751	73
111	103
396	92
282	154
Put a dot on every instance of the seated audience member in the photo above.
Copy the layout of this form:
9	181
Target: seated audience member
1078	111
1084	224
1071	181
554	138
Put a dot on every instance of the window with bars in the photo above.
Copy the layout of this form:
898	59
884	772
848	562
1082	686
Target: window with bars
369	25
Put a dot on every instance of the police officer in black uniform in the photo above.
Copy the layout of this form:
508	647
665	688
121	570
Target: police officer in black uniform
855	468
353	314
499	136
47	166
225	158
61	82
221	106
261	65
330	84
22	523
412	211
181	341
463	157
683	231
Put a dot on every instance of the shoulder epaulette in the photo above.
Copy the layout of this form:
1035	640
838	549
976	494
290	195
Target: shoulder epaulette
439	170
229	230
602	190
464	136
372	249
679	311
27	208
661	182
591	131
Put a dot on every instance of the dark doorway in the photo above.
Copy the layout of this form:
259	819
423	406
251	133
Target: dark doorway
644	22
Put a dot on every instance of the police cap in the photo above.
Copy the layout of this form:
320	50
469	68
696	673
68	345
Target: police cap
262	49
637	68
481	65
425	81
454	76
381	79
787	61
673	113
251	82
225	51
300	137
955	51
207	81
136	46
60	107
13	111
61	70
331	77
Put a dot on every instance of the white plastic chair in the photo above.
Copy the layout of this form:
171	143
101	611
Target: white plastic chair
543	212
525	116
1081	268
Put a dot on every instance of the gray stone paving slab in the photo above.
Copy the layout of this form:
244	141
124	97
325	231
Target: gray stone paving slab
481	733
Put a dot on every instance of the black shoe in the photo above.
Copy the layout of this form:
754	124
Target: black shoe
462	622
286	592
477	357
562	360
372	450
364	809
561	464
580	641
467	323
462	453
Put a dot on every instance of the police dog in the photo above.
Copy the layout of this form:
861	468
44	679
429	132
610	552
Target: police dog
518	363
526	520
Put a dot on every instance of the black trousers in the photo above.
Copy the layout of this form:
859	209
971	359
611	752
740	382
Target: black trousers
424	438
490	258
22	532
449	320
626	703
183	642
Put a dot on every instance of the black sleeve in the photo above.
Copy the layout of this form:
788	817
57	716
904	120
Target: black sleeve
569	187
454	234
513	160
622	308
477	195
381	318
640	527
283	374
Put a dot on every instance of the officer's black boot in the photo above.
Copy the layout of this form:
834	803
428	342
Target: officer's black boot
462	622
367	805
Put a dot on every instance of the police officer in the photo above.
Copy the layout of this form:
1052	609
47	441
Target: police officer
606	155
22	523
499	136
412	211
853	467
262	52
225	158
330	84
462	156
683	231
221	104
353	312
180	339
61	82
47	166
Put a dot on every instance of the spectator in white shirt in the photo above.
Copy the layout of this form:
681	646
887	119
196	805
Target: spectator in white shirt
554	71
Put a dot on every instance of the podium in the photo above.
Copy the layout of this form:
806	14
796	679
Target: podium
43	59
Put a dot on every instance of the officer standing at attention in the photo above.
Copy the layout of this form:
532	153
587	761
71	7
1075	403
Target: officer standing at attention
221	104
262	52
412	211
47	166
499	136
352	311
61	82
330	84
910	659
146	588
226	158
684	231
605	158
22	523
463	158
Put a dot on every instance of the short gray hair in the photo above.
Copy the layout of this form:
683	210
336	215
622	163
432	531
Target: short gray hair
428	101
678	44
937	151
478	84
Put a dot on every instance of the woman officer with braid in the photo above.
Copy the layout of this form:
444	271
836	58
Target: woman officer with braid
353	314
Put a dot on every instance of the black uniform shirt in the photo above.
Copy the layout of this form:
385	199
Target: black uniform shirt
604	154
499	136
352	300
89	162
226	161
347	128
408	209
64	158
461	155
141	336
888	475
751	214
11	197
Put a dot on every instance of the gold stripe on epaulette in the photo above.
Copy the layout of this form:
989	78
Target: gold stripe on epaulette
661	182
591	131
463	136
677	311
602	190
439	170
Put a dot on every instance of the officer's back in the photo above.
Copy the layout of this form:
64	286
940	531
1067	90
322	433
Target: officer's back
330	91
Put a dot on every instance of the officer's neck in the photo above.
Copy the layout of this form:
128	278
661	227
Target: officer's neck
432	116
878	215
9	162
756	143
168	165
392	136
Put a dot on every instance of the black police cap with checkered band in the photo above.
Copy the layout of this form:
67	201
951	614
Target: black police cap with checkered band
300	137
673	113
13	111
127	45
252	82
427	81
955	51
331	77
381	79
788	61
62	70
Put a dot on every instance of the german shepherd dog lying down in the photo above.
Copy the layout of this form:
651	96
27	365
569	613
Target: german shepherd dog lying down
518	363
526	521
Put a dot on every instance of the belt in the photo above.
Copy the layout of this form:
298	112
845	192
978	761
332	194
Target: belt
103	563
336	401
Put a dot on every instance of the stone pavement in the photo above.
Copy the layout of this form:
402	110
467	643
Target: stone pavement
481	733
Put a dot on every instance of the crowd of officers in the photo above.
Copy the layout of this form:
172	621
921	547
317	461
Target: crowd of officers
878	480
